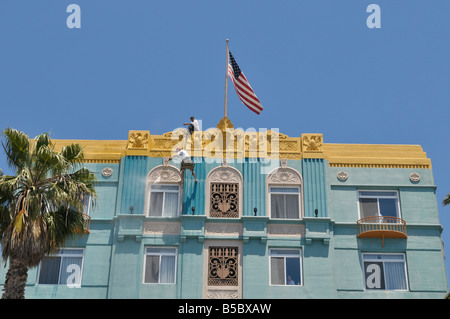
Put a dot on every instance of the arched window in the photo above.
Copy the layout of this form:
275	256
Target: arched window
284	194
224	193
163	192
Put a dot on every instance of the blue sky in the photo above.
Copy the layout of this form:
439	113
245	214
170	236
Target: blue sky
315	66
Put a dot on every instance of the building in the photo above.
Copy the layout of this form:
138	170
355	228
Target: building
271	216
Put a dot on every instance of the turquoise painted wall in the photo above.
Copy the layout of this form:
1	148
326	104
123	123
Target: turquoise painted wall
423	248
331	251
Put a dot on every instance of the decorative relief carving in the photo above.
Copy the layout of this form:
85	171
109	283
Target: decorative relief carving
221	229
107	172
414	177
223	266
312	142
286	230
224	174
238	143
138	139
284	176
162	228
224	200
222	294
342	176
164	174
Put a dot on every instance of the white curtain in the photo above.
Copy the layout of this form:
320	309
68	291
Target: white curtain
292	209
368	207
277	206
167	270
170	204
284	206
277	271
156	202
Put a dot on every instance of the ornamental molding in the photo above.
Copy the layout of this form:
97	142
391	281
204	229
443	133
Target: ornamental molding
414	177
312	142
107	172
162	228
224	174
284	175
222	294
138	140
342	176
223	229
285	230
163	173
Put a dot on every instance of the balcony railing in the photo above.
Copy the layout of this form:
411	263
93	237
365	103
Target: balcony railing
381	227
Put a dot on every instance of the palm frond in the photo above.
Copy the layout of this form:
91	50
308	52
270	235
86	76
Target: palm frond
16	147
446	200
73	153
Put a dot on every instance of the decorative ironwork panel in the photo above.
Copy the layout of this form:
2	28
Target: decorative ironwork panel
223	266
224	200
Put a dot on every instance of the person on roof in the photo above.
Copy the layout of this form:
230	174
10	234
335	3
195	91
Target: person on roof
193	125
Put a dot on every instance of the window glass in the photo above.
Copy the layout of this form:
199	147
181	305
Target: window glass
160	265
384	272
378	203
62	268
285	267
284	202
164	200
49	270
368	207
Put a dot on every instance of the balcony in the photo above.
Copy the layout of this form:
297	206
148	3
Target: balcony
381	227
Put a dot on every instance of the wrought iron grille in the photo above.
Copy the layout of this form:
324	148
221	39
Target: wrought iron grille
224	200
223	266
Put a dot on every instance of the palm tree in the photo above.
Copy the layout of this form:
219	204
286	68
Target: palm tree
41	206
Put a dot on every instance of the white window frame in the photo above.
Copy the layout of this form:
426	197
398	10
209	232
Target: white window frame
61	255
396	197
368	259
87	205
299	193
299	255
160	254
151	188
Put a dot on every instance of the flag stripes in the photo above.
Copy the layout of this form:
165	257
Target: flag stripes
242	87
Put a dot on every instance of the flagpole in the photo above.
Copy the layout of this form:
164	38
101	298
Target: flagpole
226	80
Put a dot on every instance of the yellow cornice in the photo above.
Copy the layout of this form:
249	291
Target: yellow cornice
253	144
97	151
376	155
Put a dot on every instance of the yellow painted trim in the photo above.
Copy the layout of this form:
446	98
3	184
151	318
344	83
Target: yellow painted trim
142	143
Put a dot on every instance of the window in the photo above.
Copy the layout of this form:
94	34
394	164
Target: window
87	205
160	265
164	200
378	203
63	268
284	202
285	267
224	200
385	271
223	266
223	193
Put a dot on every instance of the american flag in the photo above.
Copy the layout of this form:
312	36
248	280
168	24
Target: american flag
242	87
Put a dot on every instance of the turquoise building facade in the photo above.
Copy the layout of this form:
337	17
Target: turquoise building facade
310	220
